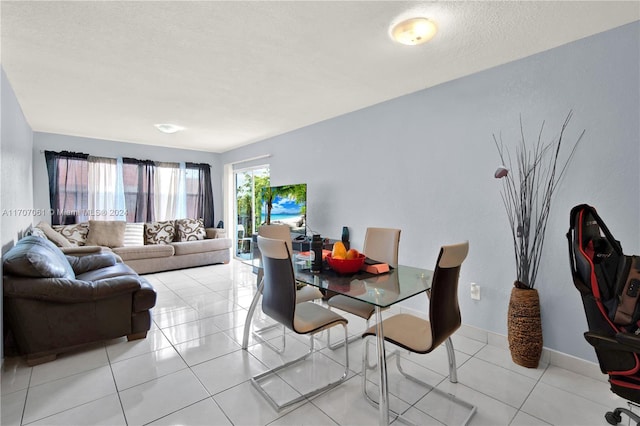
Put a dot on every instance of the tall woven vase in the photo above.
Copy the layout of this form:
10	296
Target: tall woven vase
524	327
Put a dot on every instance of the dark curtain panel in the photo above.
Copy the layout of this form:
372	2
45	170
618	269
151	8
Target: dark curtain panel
200	193
138	189
68	186
69	195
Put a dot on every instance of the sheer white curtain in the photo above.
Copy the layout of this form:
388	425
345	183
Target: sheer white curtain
170	201
106	189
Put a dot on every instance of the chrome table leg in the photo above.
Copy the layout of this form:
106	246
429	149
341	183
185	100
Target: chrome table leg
383	388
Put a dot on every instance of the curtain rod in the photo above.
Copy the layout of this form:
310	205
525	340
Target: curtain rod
259	157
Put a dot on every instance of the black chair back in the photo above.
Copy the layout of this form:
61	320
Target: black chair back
279	292
444	311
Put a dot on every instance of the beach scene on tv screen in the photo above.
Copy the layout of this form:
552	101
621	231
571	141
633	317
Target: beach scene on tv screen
287	209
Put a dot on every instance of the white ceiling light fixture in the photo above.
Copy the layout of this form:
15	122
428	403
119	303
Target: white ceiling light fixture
168	128
414	31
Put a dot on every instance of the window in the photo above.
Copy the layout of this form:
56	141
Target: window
138	185
127	189
106	196
68	186
249	184
169	198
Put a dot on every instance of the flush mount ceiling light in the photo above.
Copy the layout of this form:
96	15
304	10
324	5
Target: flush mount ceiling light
168	128
414	31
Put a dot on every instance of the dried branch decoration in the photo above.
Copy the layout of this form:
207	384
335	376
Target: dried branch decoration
527	195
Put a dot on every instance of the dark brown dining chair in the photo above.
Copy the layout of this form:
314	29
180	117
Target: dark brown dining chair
423	336
304	293
279	302
380	244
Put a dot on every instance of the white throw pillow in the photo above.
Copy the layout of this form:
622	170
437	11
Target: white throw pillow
133	234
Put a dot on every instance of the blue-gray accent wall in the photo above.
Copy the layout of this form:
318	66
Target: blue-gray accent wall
424	163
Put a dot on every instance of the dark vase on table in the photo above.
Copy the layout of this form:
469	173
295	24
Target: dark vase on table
345	237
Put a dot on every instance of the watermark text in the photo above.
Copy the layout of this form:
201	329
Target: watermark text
61	212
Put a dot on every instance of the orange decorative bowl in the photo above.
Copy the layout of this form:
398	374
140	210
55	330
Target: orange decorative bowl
346	266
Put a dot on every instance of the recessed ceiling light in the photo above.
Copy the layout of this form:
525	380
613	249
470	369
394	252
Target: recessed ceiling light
168	127
414	31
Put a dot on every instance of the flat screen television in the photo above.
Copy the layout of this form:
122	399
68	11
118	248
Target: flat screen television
286	204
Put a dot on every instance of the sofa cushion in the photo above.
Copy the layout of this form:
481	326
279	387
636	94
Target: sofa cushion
76	234
159	232
144	252
85	250
133	234
190	229
108	233
53	235
190	247
215	233
37	257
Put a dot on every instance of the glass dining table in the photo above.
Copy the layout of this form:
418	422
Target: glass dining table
381	291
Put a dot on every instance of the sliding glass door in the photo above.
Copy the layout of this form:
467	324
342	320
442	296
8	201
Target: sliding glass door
249	185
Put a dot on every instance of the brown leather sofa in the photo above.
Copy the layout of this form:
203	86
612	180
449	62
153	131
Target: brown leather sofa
54	303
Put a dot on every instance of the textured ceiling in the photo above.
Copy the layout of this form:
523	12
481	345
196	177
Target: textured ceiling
237	72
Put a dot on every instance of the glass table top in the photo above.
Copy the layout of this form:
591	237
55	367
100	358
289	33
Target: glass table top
381	290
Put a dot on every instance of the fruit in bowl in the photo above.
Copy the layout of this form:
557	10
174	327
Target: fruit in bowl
352	254
339	250
346	265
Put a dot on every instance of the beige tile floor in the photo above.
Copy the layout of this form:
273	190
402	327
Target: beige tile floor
190	370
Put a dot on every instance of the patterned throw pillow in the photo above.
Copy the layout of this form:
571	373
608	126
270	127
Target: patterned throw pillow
76	233
190	229
133	234
159	232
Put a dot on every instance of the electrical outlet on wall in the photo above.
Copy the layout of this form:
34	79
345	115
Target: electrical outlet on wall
475	291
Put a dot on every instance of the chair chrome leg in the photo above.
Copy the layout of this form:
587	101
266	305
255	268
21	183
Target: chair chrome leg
346	351
365	366
267	343
373	402
255	381
472	408
249	319
265	328
451	355
341	342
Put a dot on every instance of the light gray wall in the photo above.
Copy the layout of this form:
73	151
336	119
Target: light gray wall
424	163
107	148
16	174
16	184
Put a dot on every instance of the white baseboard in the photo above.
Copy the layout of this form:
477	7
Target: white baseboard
549	356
